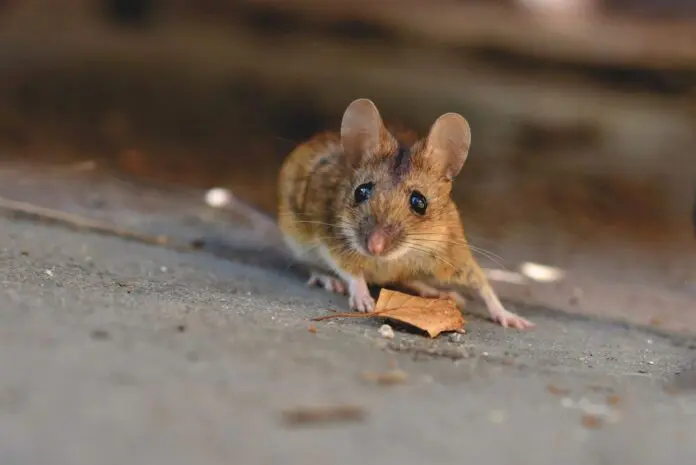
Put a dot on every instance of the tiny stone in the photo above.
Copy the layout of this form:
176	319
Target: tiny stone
455	337
218	197
496	416
386	332
49	272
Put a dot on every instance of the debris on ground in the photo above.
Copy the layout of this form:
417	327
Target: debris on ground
323	414
386	332
557	391
218	197
388	378
591	421
432	315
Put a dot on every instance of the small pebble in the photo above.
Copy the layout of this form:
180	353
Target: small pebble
218	197
496	416
386	332
49	273
455	337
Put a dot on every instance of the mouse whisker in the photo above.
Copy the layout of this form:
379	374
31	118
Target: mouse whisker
486	253
429	252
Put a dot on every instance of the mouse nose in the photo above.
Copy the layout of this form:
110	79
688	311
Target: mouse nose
377	241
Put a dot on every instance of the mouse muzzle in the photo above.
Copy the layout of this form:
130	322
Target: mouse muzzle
380	241
377	242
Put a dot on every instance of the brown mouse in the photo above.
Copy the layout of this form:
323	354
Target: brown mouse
362	207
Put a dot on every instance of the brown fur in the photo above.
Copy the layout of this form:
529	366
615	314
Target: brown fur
316	196
317	208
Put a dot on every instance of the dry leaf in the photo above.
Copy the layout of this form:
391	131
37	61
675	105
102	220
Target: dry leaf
432	315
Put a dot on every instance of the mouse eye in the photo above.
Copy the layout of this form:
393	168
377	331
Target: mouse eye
418	203
363	192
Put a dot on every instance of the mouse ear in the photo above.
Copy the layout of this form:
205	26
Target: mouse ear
361	130
448	144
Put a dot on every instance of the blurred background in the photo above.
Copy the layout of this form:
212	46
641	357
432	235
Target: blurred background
582	114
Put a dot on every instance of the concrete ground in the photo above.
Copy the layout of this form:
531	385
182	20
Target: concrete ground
115	352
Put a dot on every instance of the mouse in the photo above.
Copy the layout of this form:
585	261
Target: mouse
362	207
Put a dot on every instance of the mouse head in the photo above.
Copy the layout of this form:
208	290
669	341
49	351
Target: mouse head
397	199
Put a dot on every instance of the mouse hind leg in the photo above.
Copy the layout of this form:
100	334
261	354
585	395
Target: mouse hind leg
309	255
330	283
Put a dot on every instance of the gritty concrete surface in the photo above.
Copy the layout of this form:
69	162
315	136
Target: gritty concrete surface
115	352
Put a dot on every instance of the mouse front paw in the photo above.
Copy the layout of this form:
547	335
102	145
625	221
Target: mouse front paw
360	298
362	303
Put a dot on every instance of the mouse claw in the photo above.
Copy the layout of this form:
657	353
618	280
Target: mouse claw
361	303
360	298
508	319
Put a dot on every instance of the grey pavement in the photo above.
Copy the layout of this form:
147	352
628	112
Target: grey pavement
114	352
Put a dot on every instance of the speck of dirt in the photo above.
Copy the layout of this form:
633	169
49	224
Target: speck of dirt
557	391
181	328
591	421
197	243
100	335
24	253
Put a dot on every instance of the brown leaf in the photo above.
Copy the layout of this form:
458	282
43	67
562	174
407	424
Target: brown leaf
431	315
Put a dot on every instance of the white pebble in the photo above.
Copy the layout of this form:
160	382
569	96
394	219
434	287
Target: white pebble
49	273
218	197
497	416
386	332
